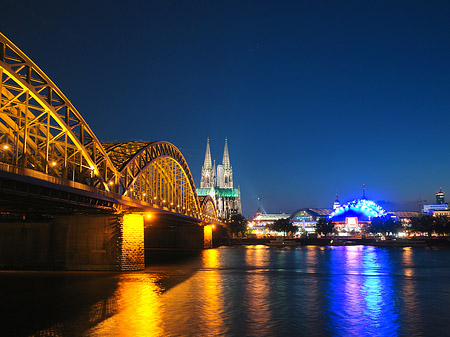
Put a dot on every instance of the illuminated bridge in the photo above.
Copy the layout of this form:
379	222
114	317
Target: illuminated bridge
94	199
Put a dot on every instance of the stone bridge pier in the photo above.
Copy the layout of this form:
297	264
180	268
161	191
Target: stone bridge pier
93	242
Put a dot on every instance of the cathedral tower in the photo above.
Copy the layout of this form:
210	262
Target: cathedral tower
218	183
227	169
208	171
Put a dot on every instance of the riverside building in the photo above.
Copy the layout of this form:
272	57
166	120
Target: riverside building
439	206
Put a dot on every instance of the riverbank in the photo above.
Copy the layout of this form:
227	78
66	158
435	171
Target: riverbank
350	241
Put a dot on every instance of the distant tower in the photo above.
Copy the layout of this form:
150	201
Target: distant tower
364	192
440	196
227	169
336	204
208	171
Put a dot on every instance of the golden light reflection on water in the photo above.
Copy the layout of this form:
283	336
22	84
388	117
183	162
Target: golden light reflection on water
212	293
409	288
407	259
257	289
139	309
312	259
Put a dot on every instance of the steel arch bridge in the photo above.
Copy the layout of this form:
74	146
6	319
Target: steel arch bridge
41	131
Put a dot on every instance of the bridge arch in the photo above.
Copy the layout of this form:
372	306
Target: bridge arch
208	207
40	129
155	172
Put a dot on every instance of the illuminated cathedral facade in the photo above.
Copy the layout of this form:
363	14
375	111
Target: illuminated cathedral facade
218	183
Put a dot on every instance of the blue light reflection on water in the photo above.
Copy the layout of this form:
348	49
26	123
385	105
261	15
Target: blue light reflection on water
242	291
361	293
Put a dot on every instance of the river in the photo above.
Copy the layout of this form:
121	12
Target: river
241	291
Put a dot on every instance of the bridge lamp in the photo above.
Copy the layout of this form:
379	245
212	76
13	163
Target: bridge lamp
164	201
5	147
213	226
53	163
93	169
111	183
154	198
149	215
171	204
143	194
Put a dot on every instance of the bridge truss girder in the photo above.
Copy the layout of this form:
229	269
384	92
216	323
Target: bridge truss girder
40	129
157	173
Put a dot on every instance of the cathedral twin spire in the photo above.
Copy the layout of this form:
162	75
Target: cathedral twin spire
217	182
208	162
224	176
226	156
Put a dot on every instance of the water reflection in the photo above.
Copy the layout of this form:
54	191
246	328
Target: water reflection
362	300
210	287
257	290
138	308
241	291
412	324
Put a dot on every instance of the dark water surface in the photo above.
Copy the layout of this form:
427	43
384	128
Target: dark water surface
241	291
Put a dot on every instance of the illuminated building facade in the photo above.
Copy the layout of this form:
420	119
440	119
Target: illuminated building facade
336	204
218	183
350	217
440	197
260	224
439	206
306	218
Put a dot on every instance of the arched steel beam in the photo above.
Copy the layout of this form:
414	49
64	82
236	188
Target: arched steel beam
132	165
19	74
207	204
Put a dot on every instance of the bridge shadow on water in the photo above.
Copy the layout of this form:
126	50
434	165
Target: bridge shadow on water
43	303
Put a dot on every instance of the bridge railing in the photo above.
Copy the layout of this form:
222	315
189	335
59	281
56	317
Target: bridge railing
111	196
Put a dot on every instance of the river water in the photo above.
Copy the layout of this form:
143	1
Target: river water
241	291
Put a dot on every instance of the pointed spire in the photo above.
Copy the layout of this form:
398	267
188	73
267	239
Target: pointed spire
364	191
207	163
226	157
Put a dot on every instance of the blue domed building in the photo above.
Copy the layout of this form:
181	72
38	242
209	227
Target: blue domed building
352	215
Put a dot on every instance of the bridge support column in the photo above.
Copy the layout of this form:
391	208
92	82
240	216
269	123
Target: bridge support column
104	242
131	254
207	236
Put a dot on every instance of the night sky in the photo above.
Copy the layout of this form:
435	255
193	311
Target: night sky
315	97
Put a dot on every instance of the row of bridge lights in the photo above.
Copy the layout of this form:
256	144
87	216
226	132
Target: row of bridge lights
164	201
6	147
178	206
54	163
149	216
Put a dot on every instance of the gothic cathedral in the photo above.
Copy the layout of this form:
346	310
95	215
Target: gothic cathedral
218	183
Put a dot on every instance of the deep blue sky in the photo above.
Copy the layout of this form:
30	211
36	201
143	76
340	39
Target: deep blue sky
314	96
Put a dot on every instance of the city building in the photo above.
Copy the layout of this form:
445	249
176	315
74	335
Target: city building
440	204
336	204
440	196
218	183
445	213
306	218
260	224
350	217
